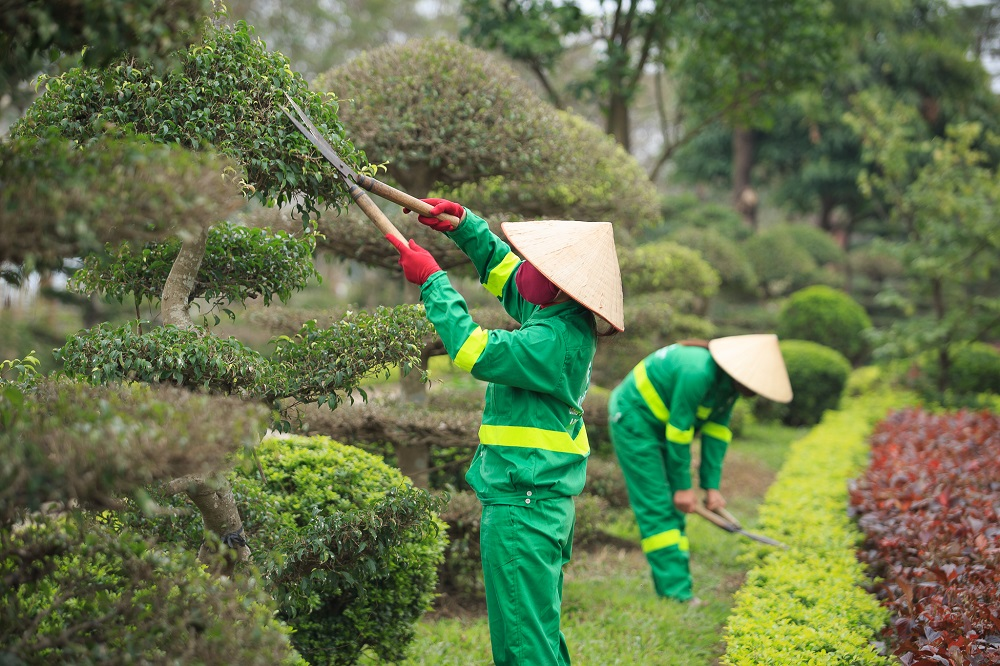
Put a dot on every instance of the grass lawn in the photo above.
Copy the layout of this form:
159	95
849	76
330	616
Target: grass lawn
611	614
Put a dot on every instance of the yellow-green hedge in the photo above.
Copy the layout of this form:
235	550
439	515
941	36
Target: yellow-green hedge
806	604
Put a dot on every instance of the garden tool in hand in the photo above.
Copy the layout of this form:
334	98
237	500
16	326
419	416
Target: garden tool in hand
353	180
725	520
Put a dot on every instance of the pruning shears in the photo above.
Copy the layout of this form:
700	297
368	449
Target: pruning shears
353	179
725	520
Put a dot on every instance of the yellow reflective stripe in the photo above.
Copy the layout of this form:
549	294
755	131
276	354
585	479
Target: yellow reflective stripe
535	438
501	273
704	412
718	431
678	436
665	540
472	349
649	394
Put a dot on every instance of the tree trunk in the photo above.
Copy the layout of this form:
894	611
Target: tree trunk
414	459
944	358
175	301
220	516
214	500
743	195
618	121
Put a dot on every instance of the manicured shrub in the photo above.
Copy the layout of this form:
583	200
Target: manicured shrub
345	545
457	120
828	317
818	375
805	605
687	210
723	253
819	244
781	264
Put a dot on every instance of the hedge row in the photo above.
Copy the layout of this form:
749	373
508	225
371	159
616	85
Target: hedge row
806	604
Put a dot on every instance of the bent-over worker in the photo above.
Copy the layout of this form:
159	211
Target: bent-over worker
533	447
671	395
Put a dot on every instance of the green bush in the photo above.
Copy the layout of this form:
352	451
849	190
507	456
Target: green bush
457	120
724	255
806	605
781	264
826	316
374	574
666	266
345	545
73	591
687	210
818	375
819	244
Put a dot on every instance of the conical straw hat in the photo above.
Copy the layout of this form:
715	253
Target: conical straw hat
579	258
756	362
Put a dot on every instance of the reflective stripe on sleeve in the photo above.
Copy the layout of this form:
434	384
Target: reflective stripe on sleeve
665	540
535	438
678	436
704	412
649	394
717	431
500	274
472	349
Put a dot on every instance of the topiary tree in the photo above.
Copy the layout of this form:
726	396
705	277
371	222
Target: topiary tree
221	101
456	122
827	316
818	375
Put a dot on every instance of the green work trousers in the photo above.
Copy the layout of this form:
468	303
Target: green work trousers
641	448
524	549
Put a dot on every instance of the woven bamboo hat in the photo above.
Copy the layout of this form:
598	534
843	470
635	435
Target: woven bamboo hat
756	362
579	258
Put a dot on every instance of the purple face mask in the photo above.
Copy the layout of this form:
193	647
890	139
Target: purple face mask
533	286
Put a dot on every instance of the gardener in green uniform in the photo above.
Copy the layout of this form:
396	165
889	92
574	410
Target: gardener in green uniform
533	448
674	393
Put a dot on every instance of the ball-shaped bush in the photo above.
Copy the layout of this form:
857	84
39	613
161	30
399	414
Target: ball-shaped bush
455	120
818	375
826	316
724	254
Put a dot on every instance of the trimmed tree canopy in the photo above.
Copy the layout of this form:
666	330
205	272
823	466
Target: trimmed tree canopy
226	95
453	120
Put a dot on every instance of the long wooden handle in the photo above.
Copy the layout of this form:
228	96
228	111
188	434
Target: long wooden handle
730	517
715	518
369	208
402	198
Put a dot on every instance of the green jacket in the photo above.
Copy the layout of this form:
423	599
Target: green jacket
532	442
684	389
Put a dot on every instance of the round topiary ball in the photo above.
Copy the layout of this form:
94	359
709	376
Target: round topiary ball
828	317
818	375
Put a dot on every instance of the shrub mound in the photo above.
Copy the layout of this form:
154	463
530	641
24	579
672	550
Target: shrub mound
929	506
805	604
828	317
345	545
818	375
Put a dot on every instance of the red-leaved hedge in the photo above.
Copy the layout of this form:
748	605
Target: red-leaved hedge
929	505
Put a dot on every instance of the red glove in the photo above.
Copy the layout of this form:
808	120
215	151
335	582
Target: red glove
417	263
440	206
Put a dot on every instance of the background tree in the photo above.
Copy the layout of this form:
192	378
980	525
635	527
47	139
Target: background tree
943	194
